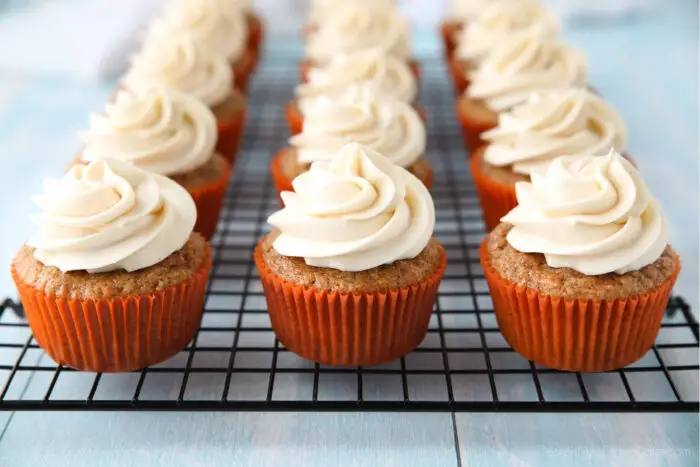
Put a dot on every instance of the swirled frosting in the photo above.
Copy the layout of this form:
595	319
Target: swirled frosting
366	116
162	131
218	26
390	74
354	213
110	215
465	11
524	64
568	121
179	63
501	20
322	9
592	214
354	27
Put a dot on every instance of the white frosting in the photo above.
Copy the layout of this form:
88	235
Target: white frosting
465	11
162	131
390	74
502	20
354	213
568	121
109	216
322	9
524	64
366	116
354	27
179	63
592	214
218	26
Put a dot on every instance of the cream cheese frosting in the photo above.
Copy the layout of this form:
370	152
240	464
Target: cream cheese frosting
464	11
162	131
218	26
567	121
593	214
390	74
366	116
524	64
110	215
355	212
322	9
181	64
502	20
354	27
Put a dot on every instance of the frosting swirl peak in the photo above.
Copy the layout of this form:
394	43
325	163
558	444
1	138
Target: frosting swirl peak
355	212
568	121
109	216
162	131
366	116
593	214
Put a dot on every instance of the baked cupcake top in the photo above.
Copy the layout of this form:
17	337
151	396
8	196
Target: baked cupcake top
363	115
161	130
501	20
218	26
354	212
390	74
592	214
322	9
524	64
110	215
359	26
567	121
181	64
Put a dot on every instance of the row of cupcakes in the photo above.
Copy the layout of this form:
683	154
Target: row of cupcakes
115	278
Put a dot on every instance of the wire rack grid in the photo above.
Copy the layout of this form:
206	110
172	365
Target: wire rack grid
236	363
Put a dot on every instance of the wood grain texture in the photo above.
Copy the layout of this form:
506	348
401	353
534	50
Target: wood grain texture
578	440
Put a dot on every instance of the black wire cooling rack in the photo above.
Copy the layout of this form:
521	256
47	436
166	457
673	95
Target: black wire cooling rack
235	362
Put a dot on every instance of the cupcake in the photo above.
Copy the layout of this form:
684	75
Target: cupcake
169	133
580	272
180	64
115	279
351	272
516	68
568	121
460	13
355	27
217	26
320	10
389	74
362	115
256	28
499	21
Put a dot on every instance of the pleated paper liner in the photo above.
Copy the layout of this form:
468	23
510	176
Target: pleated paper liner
458	73
471	127
576	335
496	199
209	200
116	334
349	329
448	32
229	137
306	65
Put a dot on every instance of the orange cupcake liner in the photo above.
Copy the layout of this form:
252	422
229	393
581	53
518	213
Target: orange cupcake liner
229	136
349	329
576	335
459	77
471	129
448	30
209	200
496	199
305	67
116	334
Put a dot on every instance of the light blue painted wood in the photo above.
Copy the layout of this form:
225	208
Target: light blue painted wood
225	439
578	440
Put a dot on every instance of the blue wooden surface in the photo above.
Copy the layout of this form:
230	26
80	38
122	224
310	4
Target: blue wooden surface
648	68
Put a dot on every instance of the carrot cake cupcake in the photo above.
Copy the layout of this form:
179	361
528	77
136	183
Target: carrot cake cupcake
460	13
580	272
519	66
115	279
388	74
351	274
499	21
355	27
169	133
218	26
320	10
362	115
181	64
561	122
